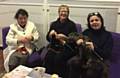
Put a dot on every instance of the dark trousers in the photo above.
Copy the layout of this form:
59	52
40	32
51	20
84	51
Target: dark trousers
17	58
56	62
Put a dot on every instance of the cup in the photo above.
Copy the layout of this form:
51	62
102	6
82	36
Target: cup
39	71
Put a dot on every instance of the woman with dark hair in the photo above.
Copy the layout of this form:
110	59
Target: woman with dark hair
20	40
102	39
101	49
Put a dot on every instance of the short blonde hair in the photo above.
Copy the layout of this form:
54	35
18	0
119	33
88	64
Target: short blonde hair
67	7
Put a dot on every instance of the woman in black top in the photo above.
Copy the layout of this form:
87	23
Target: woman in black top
102	39
102	44
55	62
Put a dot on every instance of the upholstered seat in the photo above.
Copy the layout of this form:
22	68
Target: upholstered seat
115	59
78	27
4	34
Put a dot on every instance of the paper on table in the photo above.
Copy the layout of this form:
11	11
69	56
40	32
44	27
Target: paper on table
19	72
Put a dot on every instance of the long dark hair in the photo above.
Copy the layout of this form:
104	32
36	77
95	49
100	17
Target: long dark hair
95	14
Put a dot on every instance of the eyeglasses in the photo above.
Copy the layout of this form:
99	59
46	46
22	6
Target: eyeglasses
63	11
93	13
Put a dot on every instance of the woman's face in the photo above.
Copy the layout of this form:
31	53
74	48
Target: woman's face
63	13
95	22
22	20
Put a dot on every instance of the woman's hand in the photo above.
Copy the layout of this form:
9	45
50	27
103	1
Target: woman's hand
90	45
79	41
29	37
52	33
62	38
23	40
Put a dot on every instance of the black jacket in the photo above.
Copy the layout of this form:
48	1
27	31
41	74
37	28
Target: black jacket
102	41
65	28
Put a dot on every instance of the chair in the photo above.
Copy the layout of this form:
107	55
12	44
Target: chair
115	60
4	34
78	27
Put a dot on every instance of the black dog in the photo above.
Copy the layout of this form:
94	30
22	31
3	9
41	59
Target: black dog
86	63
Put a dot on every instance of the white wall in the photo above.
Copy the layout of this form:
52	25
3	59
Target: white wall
118	22
101	0
32	1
